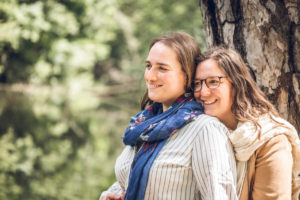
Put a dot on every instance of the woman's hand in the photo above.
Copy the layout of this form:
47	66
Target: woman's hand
114	197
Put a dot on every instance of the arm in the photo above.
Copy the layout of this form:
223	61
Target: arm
122	171
273	170
213	163
115	191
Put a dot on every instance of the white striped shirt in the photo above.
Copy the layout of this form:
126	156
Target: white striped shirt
197	163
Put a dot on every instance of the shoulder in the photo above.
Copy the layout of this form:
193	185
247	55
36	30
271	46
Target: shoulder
269	121
206	121
276	144
127	153
202	120
277	133
206	124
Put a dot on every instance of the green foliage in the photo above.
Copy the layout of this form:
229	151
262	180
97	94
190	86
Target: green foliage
70	78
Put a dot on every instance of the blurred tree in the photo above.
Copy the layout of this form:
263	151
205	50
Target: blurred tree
70	78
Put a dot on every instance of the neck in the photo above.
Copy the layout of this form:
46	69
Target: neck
165	107
230	122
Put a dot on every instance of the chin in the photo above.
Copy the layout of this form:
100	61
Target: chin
210	113
152	97
158	100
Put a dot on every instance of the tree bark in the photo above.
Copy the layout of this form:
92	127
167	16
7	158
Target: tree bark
267	35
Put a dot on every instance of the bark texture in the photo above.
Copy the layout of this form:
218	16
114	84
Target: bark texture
267	35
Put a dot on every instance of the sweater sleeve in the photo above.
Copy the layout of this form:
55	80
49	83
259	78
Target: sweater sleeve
213	163
273	170
114	189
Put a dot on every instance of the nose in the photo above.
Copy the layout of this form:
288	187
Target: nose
150	74
205	91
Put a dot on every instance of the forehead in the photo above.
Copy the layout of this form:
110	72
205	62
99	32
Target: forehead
208	68
161	51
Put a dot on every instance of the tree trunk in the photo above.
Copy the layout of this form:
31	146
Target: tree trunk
267	35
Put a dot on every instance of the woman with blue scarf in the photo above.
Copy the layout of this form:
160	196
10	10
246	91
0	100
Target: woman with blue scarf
173	151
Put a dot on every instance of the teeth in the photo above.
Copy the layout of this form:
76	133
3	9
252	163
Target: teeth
209	102
153	86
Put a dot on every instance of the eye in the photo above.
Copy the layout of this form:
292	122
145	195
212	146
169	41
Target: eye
197	83
148	66
162	68
213	81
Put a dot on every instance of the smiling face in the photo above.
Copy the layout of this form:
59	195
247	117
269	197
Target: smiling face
217	102
164	77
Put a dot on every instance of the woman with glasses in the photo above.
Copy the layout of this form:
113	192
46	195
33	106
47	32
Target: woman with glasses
266	146
173	151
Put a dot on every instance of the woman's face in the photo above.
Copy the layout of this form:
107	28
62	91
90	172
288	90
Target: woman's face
164	77
217	102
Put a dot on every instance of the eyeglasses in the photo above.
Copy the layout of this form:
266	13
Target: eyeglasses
211	82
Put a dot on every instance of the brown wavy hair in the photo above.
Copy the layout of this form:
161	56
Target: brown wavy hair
186	49
249	101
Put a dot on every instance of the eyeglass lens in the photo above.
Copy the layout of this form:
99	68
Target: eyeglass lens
211	82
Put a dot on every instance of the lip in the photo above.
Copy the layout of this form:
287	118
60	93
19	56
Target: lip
208	103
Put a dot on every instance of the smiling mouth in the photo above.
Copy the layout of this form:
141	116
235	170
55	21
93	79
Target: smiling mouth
153	86
209	102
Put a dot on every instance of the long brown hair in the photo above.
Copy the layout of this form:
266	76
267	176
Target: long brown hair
249	101
186	49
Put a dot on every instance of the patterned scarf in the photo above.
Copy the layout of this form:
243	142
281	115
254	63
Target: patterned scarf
153	127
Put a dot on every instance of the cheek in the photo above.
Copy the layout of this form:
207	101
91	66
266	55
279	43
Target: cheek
162	75
230	98
197	96
145	75
180	84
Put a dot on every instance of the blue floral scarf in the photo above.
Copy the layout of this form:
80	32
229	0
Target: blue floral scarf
153	127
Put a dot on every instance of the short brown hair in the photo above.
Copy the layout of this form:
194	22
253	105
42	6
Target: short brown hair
186	49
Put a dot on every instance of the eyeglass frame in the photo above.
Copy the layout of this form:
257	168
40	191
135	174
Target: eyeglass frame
205	81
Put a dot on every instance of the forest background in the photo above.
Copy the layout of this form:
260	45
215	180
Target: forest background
71	75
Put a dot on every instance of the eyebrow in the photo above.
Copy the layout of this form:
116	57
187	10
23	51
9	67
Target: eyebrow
158	63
